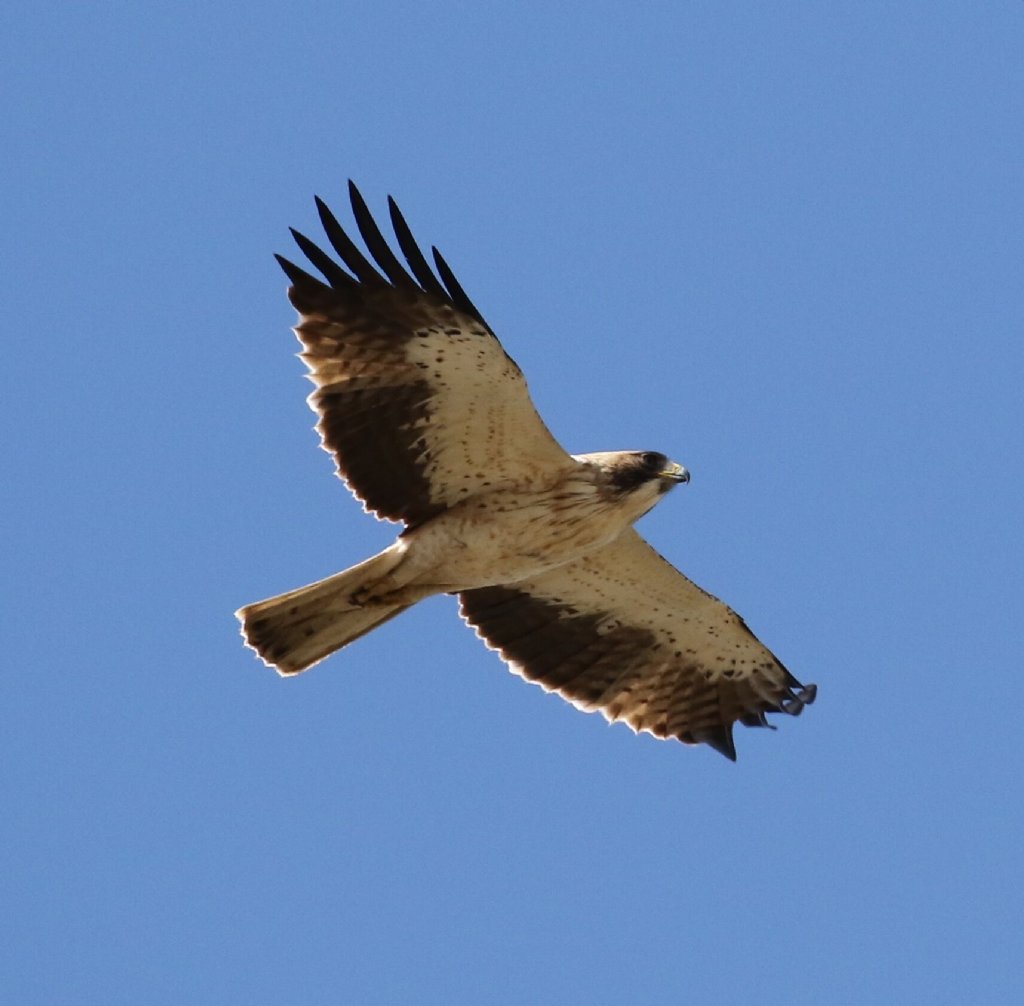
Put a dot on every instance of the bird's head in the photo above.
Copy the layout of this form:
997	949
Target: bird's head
637	479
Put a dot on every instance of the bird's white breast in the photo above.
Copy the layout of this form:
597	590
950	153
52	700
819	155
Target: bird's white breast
512	534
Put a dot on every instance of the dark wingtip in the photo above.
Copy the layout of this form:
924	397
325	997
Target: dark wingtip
291	270
375	241
411	250
297	275
795	701
720	738
332	272
362	270
353	258
456	293
757	719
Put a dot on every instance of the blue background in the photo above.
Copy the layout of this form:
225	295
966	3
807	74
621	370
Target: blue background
780	242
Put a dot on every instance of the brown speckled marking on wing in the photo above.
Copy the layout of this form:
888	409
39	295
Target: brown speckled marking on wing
624	632
418	402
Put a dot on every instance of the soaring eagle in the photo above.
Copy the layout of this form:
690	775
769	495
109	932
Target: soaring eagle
431	425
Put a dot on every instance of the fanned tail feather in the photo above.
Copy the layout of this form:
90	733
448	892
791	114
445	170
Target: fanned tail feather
293	631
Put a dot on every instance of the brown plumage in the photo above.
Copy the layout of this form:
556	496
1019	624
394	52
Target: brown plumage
431	424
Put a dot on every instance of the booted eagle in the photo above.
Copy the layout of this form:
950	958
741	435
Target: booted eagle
431	425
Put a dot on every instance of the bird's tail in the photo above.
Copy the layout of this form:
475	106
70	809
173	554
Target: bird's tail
293	631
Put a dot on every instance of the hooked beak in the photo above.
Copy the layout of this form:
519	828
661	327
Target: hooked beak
675	473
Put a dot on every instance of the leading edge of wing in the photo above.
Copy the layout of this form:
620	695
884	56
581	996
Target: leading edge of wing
386	269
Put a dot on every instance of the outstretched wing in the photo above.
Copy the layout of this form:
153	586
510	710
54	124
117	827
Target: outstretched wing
624	632
418	402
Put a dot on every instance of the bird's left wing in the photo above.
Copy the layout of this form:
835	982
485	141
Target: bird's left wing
418	401
624	632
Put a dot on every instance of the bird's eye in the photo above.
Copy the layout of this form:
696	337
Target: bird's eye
653	460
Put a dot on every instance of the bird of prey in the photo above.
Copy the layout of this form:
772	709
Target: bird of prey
431	425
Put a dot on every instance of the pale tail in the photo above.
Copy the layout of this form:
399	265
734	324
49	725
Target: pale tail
295	630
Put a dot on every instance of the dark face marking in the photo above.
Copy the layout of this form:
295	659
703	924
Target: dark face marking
636	469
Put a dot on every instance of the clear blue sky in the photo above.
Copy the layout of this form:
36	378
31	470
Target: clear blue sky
782	243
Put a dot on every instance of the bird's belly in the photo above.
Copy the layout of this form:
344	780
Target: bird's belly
509	537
